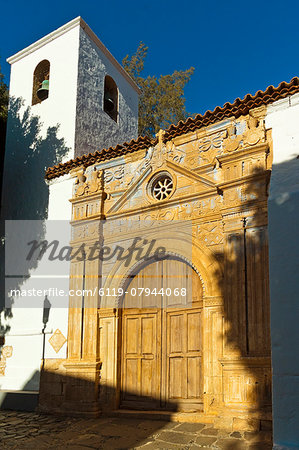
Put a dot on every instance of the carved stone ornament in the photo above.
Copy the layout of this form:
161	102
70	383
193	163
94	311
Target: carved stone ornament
91	186
81	184
254	133
57	340
210	233
6	353
114	175
209	146
158	155
96	181
175	154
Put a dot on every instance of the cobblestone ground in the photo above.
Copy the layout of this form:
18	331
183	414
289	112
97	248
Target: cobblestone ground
35	431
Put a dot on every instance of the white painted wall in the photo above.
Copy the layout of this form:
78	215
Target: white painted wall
283	118
25	334
60	106
78	65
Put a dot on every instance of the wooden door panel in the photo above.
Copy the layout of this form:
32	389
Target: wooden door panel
184	354
194	381
194	335
176	378
148	335
140	361
147	381
176	333
131	336
131	380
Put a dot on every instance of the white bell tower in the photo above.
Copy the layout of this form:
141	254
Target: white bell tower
89	93
68	97
69	79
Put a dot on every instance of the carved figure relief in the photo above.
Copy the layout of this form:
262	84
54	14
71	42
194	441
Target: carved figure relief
83	186
6	353
175	154
254	133
96	182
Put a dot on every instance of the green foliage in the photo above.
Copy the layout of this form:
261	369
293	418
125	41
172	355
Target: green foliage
162	101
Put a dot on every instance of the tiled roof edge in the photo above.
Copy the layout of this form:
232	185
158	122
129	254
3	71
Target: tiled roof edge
236	109
142	142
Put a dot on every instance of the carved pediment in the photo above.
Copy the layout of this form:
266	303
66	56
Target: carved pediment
165	162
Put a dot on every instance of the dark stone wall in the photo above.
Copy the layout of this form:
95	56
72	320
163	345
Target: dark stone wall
94	127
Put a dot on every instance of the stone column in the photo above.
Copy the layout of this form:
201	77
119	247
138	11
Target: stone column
83	364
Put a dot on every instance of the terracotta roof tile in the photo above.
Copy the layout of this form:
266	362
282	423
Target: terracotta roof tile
236	109
142	142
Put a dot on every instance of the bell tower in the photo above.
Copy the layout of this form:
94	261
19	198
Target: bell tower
81	99
70	78
68	97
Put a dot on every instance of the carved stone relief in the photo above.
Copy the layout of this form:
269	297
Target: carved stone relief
6	353
210	146
210	233
254	133
114	178
57	340
85	186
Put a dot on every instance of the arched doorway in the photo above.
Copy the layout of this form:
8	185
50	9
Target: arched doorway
161	356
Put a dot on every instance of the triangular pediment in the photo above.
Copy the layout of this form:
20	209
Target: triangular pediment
159	161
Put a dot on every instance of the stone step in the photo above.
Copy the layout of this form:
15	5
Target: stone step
18	400
162	415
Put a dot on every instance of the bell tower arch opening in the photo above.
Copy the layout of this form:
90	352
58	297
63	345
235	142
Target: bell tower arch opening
111	98
41	79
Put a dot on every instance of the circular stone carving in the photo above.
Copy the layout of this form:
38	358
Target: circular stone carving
162	187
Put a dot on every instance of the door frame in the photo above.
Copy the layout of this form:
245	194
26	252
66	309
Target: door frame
163	369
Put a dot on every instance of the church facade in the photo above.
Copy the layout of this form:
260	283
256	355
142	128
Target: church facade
211	357
170	304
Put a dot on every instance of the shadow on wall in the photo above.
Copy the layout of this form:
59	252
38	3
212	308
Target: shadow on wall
24	400
25	194
240	350
246	351
66	393
284	286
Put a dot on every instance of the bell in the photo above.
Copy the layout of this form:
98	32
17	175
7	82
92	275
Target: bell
43	91
108	102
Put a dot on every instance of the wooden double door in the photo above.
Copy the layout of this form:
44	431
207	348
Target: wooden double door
161	362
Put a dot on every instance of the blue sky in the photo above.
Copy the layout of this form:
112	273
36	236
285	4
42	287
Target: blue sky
236	47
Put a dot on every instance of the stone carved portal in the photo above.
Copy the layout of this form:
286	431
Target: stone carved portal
161	357
212	359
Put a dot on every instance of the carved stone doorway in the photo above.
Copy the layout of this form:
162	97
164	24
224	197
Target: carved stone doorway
161	356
